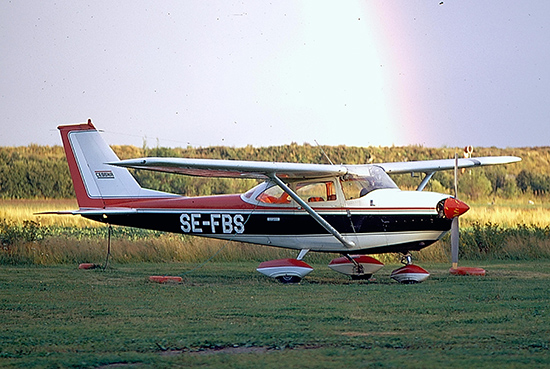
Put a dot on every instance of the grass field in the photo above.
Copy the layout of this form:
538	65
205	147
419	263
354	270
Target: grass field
226	315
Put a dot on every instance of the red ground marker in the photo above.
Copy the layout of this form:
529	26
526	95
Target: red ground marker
467	271
165	279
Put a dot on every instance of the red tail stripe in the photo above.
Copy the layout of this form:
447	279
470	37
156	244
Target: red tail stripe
84	201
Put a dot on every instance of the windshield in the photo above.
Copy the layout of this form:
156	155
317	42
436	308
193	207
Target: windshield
372	178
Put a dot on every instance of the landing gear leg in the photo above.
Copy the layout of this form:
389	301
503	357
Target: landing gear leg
406	259
358	270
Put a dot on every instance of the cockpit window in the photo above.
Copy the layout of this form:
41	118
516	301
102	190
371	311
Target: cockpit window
372	178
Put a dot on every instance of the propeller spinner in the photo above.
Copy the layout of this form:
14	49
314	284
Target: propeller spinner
451	208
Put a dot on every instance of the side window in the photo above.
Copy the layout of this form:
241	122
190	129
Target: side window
274	195
316	191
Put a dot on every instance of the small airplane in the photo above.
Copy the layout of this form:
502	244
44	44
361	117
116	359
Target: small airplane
353	210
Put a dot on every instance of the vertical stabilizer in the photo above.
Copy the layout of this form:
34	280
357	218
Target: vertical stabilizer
98	184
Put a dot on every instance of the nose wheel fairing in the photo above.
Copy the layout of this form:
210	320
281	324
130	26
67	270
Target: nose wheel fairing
409	273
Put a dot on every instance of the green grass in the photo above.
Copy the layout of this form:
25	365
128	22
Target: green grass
225	314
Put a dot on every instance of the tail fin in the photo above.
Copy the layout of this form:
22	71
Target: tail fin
97	184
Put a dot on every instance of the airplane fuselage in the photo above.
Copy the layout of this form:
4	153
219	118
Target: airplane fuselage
386	220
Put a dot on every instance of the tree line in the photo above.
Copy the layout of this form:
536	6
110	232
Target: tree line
36	171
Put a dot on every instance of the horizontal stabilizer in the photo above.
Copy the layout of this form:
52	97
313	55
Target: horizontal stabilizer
91	212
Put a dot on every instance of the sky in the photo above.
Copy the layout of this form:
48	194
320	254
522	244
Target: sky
201	73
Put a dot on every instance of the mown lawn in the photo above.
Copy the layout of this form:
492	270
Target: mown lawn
228	315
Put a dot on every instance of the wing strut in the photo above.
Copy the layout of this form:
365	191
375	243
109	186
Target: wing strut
313	213
425	181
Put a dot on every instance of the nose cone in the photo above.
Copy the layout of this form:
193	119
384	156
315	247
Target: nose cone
451	208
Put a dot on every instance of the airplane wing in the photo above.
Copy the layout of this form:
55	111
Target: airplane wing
264	170
233	168
428	166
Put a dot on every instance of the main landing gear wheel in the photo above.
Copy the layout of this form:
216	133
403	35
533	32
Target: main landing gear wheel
287	279
409	273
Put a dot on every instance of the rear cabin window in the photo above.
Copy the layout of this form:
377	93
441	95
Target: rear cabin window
316	191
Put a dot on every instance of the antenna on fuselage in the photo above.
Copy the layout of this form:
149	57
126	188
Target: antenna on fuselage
323	152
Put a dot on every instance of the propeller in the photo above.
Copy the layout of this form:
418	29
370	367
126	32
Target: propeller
455	213
455	234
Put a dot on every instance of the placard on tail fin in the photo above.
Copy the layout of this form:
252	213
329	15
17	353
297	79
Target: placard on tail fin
95	181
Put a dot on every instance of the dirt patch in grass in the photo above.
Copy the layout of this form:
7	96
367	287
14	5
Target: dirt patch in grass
235	350
370	334
220	350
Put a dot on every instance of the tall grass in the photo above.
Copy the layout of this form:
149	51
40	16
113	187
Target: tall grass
19	211
508	214
492	242
165	248
31	243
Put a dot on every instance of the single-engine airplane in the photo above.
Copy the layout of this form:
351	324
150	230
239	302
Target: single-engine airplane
353	210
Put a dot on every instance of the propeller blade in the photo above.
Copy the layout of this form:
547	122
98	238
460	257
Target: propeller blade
453	210
454	242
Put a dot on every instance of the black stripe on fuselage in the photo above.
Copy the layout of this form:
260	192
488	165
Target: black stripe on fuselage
219	222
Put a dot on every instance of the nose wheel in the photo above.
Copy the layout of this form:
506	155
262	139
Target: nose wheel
409	273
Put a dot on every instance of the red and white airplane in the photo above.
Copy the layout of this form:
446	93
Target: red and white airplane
352	210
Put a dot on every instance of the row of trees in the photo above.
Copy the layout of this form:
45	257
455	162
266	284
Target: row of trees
42	172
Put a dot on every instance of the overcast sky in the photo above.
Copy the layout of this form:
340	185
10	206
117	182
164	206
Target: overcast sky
237	73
